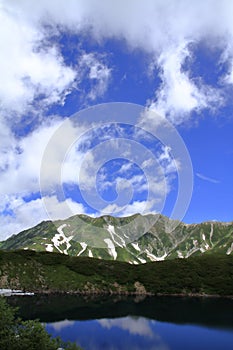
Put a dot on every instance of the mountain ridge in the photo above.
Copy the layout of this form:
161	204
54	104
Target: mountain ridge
135	239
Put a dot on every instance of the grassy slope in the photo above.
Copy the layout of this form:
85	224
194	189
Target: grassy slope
51	272
185	240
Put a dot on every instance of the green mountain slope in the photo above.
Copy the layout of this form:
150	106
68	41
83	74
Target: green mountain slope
46	272
135	239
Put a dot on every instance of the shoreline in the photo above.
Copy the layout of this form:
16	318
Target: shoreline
13	292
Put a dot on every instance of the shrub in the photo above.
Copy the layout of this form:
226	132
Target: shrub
16	334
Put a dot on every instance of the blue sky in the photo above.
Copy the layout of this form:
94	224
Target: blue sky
174	58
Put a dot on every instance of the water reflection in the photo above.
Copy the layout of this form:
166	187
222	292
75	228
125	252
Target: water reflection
137	333
210	312
115	334
116	323
133	325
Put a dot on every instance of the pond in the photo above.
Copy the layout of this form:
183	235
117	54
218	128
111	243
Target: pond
125	323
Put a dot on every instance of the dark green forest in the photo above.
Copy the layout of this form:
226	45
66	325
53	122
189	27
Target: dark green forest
43	272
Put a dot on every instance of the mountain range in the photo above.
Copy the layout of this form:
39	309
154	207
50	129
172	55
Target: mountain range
135	239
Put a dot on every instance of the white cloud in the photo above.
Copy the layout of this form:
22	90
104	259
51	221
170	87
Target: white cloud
178	95
153	26
21	160
30	65
27	69
62	210
20	168
227	57
167	162
143	207
23	214
158	27
125	168
97	72
207	178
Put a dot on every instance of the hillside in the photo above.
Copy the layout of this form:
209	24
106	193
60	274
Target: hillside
50	273
135	239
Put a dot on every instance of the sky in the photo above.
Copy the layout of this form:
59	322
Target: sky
168	65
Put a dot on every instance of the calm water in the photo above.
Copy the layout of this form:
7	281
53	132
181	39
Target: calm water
163	323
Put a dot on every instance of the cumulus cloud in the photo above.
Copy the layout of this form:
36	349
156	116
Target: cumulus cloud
31	65
27	69
151	25
17	214
22	215
56	209
20	169
33	70
137	206
21	160
179	95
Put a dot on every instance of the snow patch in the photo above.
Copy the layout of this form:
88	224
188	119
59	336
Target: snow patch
60	229
143	261
136	247
152	257
206	245
193	250
211	233
83	245
180	255
90	253
229	250
49	247
195	242
111	248
115	236
161	258
60	238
